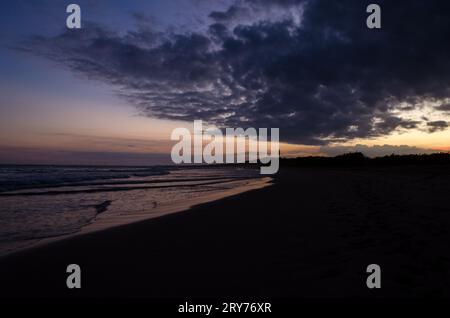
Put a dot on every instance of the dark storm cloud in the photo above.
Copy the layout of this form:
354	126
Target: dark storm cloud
438	125
325	77
232	12
444	107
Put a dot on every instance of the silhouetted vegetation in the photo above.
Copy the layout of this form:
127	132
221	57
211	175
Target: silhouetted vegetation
359	159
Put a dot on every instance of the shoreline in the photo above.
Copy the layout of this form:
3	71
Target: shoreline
103	221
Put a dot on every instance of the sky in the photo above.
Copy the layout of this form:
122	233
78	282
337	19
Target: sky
113	91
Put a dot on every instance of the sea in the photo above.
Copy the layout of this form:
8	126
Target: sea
39	204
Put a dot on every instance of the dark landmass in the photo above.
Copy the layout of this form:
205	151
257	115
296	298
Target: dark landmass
359	159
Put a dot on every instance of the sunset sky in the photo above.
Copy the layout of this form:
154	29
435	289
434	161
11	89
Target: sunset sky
112	92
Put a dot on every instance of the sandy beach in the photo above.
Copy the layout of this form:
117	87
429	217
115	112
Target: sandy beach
55	209
309	235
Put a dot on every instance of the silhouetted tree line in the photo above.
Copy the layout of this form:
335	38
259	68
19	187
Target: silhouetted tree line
359	159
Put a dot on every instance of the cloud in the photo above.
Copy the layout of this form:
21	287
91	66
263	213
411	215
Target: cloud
230	14
20	155
374	151
444	107
80	142
313	69
434	126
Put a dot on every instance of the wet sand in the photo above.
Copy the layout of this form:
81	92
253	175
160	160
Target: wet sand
310	235
104	220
